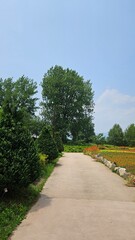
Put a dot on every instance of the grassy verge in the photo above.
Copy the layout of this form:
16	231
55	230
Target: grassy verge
74	148
13	208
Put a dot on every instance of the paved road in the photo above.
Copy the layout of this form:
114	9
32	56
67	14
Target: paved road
82	200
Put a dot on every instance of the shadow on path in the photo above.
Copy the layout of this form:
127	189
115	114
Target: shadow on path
58	165
43	202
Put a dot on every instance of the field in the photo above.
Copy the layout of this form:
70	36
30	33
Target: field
122	156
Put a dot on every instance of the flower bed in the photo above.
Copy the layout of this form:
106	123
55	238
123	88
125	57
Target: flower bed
119	159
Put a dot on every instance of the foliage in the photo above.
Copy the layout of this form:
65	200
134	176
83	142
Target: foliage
47	145
86	130
74	148
19	162
116	136
43	161
20	95
130	135
11	215
0	113
58	142
67	102
35	126
13	208
25	89
99	139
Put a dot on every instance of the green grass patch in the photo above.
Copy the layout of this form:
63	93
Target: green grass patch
13	207
74	148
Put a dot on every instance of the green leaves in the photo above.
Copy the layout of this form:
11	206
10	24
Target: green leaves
17	98
58	142
116	136
47	145
130	135
19	162
67	100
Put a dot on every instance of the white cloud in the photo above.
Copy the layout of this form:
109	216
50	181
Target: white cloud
113	107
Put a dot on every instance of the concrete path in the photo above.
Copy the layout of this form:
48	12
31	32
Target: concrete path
82	200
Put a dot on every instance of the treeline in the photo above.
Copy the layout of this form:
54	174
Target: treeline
66	113
67	104
116	136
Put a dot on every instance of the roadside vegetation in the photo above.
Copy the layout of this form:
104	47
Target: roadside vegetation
28	152
14	206
30	145
122	156
74	148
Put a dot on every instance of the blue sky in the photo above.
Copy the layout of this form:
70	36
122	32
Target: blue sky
94	37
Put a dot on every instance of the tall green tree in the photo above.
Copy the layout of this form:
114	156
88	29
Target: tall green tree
58	142
1	91
25	90
130	135
99	138
19	162
35	125
67	101
115	135
21	97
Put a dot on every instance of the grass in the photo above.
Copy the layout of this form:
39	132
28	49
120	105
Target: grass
13	208
74	148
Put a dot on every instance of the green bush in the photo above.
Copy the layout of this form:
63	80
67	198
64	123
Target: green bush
13	208
58	142
43	161
47	145
74	148
19	162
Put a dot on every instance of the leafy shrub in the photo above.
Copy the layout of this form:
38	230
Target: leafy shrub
19	162
47	145
13	209
43	159
74	148
58	142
